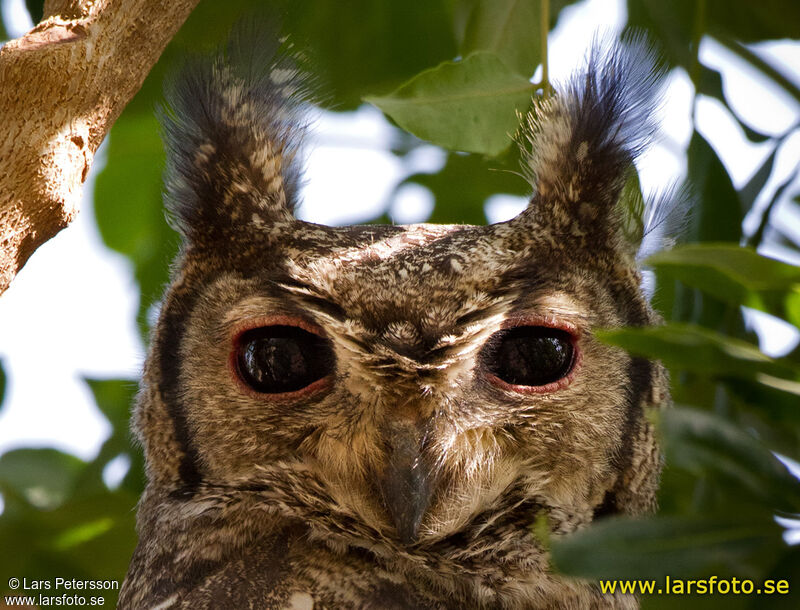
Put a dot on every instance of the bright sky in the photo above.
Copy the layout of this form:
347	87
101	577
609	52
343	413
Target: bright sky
70	312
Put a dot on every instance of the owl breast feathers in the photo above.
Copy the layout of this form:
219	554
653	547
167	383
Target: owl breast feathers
375	416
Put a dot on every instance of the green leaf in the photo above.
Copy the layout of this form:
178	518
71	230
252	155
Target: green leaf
720	216
757	237
2	384
469	105
353	47
750	191
676	25
93	533
706	444
631	208
207	27
508	28
754	59
42	477
463	185
717	217
82	533
786	568
128	206
368	46
669	24
755	21
694	348
776	383
90	536
710	83
115	398
541	530
36	9
735	275
511	29
768	407
680	547
129	187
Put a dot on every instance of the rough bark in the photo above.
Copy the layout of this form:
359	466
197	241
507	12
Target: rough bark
62	86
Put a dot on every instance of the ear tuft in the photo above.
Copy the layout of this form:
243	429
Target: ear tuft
232	126
666	219
583	140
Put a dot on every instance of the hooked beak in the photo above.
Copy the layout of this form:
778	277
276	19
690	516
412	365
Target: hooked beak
406	483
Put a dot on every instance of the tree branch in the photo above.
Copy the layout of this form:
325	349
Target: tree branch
62	86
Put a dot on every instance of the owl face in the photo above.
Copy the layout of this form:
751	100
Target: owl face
401	388
418	372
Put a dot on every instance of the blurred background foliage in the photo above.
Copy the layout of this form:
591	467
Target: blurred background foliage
423	62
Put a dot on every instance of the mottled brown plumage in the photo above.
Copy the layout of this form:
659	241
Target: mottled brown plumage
409	477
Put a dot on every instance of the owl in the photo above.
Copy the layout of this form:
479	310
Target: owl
376	416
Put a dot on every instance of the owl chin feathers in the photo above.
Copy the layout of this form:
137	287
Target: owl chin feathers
375	416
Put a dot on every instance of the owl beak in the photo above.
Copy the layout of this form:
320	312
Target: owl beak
406	483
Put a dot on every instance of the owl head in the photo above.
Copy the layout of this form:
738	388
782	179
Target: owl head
410	383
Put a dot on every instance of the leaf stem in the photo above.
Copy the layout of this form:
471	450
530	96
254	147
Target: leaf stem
544	29
756	238
697	36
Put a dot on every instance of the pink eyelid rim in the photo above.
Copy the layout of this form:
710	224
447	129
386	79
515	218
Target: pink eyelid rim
261	322
548	322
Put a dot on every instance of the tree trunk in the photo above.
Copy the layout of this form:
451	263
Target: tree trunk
62	86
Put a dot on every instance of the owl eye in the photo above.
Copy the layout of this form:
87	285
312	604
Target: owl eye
530	355
278	359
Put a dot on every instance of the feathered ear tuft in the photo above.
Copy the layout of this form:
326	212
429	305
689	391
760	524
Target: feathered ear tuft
654	222
666	219
583	140
232	126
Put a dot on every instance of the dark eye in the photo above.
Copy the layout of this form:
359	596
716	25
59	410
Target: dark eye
277	359
530	355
